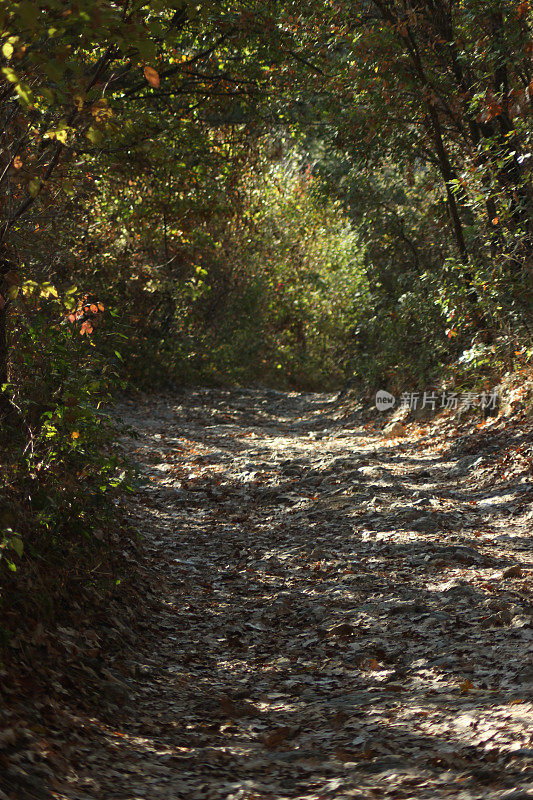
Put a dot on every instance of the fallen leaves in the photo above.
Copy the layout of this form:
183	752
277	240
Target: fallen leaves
395	430
302	646
515	571
8	737
344	629
277	737
238	709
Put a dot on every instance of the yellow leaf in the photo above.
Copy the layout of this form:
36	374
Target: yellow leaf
48	290
75	435
10	74
7	50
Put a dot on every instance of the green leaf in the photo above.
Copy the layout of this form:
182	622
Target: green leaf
94	135
34	186
17	545
25	94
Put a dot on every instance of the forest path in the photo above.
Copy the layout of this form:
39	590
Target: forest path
334	622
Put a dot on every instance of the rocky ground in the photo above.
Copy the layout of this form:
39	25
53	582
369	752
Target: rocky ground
328	613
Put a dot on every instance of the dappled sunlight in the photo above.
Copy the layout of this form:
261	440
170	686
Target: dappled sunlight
309	635
266	385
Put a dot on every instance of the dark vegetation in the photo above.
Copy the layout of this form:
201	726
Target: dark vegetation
292	194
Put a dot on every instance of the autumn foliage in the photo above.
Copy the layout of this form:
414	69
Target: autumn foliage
288	193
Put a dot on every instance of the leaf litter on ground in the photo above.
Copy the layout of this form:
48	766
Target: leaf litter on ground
321	611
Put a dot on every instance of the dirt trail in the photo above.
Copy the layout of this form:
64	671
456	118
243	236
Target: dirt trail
333	620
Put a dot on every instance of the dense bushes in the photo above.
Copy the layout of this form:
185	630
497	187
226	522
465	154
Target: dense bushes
59	470
278	307
241	270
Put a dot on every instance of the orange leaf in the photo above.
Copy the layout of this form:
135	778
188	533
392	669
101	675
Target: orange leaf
86	328
152	76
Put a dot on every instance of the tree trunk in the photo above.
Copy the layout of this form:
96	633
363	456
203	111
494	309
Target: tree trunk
3	346
5	404
448	174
